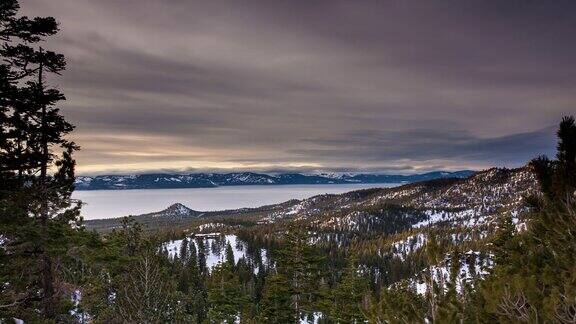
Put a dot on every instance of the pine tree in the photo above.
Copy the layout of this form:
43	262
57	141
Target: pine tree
191	266
398	304
276	305
225	295
230	256
502	240
449	305
300	264
199	271
36	210
201	257
193	254
259	282
184	254
346	299
192	285
434	253
566	157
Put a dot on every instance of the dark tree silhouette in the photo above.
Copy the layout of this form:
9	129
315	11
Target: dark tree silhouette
36	164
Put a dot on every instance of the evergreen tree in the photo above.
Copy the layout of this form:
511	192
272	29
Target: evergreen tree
193	254
300	264
36	210
259	282
434	253
198	271
449	308
192	285
398	304
346	299
225	295
276	305
201	257
566	160
502	240
230	256
184	254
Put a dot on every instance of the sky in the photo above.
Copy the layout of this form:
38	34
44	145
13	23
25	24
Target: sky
307	85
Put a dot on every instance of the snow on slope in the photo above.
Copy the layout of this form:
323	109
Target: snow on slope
472	264
215	248
409	245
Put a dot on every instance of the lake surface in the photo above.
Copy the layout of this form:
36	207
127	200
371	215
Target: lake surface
117	203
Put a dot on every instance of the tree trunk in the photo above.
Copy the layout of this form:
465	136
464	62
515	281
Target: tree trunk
47	274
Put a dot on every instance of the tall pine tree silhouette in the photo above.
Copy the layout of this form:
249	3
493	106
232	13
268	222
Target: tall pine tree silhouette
35	182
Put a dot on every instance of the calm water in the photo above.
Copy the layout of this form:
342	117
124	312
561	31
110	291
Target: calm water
117	203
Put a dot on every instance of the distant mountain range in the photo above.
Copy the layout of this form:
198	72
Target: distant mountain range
209	180
473	202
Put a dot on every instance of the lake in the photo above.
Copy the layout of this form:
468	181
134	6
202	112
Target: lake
117	203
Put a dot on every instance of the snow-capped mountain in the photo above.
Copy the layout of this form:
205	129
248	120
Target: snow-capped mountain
207	180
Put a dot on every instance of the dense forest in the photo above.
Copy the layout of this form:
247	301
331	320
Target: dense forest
377	267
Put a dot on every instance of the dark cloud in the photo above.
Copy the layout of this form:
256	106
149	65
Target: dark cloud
338	85
429	144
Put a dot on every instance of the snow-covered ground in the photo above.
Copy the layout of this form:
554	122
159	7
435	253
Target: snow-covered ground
402	248
215	248
316	316
440	216
472	264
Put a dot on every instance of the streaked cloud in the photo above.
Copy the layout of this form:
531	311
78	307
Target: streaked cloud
301	85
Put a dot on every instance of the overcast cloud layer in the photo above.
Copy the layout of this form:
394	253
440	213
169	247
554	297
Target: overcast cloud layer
400	86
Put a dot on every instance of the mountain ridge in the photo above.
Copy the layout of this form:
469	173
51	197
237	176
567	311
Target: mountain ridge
212	180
